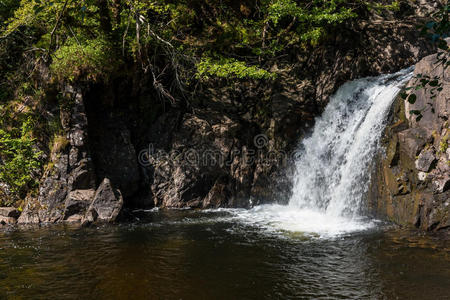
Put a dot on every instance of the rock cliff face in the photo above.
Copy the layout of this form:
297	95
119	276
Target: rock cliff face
253	127
228	147
68	188
411	185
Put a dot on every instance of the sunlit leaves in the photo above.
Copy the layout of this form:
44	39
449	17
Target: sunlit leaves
230	68
20	159
88	60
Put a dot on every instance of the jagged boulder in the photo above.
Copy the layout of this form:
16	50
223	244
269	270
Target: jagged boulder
425	160
106	205
77	203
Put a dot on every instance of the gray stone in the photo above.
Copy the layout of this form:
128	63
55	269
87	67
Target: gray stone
106	205
70	169
217	196
77	203
82	177
427	206
412	141
425	161
441	185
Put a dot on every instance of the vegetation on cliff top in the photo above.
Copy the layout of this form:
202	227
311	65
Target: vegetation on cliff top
437	31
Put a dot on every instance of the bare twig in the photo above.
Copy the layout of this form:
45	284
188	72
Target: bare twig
125	34
58	20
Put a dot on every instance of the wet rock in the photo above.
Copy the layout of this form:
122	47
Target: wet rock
426	160
403	186
392	153
217	196
106	205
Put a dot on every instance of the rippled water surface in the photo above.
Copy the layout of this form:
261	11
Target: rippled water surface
212	255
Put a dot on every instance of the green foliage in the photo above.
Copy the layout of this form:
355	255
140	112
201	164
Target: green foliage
164	35
395	6
437	31
230	68
92	60
7	8
19	159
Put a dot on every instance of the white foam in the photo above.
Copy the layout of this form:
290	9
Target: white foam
279	218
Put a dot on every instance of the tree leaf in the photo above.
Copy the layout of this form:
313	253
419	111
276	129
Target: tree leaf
412	98
434	83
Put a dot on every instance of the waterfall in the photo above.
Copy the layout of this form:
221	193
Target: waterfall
333	166
332	172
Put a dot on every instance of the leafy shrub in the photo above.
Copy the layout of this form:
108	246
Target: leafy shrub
89	60
19	160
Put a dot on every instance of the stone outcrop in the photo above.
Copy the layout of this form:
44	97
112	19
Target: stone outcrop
411	184
8	215
68	187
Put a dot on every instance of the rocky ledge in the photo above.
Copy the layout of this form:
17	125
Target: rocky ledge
411	184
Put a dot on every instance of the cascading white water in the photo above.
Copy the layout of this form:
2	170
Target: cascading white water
332	171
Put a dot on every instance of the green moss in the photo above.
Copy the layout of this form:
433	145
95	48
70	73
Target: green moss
230	68
443	146
91	60
60	143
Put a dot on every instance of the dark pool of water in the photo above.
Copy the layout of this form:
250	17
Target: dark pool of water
191	255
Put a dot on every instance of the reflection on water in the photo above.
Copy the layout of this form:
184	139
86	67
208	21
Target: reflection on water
194	255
